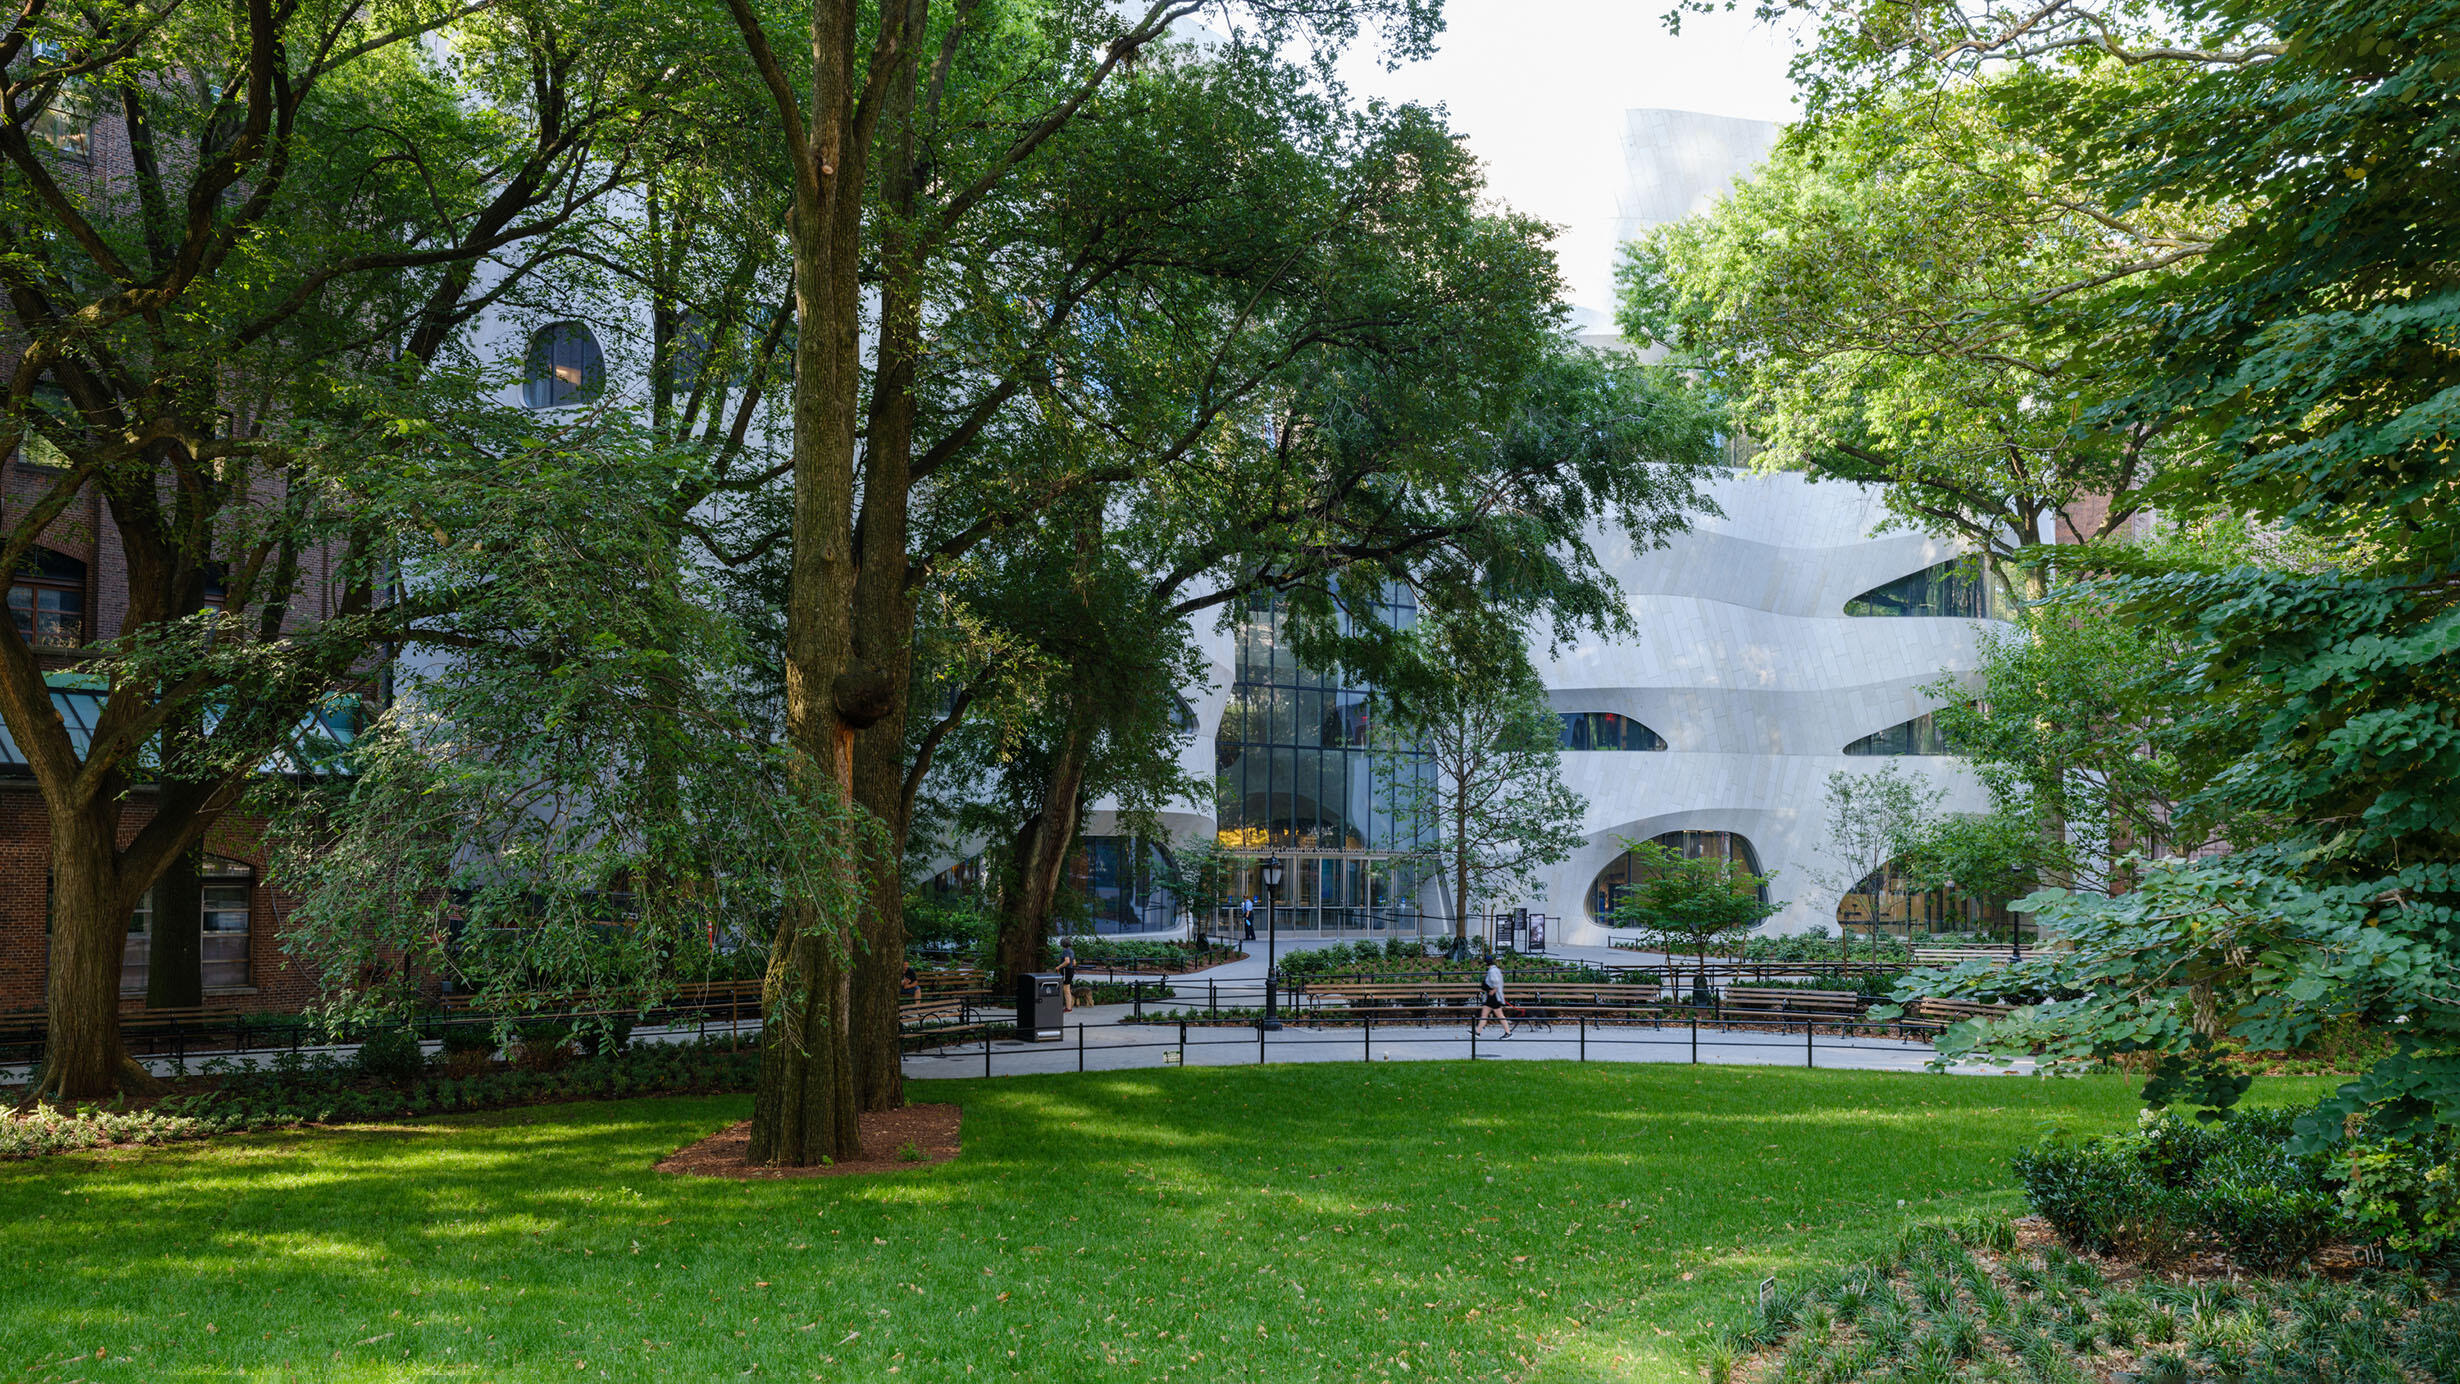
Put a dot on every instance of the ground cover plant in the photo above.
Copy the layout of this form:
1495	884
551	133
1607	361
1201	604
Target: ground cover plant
1540	1222
1967	1302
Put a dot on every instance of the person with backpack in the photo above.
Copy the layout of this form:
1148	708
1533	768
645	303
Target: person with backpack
1490	999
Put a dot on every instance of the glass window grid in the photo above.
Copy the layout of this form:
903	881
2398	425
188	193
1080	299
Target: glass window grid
1885	902
1958	588
1296	778
564	366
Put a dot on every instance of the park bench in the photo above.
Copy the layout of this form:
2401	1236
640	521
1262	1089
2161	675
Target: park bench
1938	1014
1429	999
1957	956
1749	1004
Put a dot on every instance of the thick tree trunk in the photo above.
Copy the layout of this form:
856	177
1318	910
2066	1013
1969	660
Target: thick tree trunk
883	608
175	961
804	1107
878	1061
83	1056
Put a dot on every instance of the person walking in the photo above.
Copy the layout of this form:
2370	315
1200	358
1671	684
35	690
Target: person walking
1247	916
1067	975
1490	1001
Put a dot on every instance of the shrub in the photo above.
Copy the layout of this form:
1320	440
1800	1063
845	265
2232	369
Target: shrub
392	1055
2405	1192
461	1038
2148	1193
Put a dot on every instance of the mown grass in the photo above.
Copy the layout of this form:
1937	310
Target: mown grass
1492	1221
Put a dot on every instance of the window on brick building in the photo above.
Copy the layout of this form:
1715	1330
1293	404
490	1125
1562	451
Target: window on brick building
564	366
33	448
224	954
47	600
65	124
222	923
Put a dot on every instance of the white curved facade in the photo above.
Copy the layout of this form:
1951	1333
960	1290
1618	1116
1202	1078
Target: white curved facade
1749	667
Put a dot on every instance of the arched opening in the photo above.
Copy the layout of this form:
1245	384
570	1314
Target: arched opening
1625	870
564	366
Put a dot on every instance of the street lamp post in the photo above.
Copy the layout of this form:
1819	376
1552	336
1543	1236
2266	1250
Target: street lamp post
1272	943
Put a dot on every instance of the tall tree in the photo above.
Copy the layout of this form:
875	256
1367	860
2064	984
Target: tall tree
849	123
246	354
2309	348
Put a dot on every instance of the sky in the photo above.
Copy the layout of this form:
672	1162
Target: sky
1539	88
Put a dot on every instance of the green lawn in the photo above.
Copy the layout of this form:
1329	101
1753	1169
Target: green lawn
1500	1220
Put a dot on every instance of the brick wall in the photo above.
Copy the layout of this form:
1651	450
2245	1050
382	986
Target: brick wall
274	981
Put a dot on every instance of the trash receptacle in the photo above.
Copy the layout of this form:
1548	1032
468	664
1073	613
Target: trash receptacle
1041	1011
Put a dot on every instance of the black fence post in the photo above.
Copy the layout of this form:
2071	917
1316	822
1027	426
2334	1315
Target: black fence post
1367	1053
1259	1042
986	1052
1080	1046
1182	1042
1695	1035
1806	1044
1212	996
1583	1021
1137	989
1473	1043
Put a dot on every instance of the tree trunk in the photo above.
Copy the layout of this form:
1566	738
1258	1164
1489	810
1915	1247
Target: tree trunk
805	1107
1025	909
175	962
1460	864
878	1060
83	1056
883	608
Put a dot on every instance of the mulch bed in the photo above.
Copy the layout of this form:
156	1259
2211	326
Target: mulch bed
932	1129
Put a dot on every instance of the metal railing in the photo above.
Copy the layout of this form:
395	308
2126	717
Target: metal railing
1194	1042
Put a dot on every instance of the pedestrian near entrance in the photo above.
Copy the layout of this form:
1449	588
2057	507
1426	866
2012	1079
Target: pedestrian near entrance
1247	916
909	986
1490	1002
1067	975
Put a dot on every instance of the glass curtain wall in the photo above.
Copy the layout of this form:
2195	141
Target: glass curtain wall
1295	777
1889	904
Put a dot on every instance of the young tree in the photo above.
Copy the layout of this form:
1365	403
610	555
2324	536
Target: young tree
1686	904
247	351
1470	748
1870	818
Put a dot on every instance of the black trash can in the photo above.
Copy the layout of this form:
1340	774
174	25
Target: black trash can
1041	1011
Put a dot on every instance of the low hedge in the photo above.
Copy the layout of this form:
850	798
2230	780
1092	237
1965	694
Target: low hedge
2174	1184
325	1091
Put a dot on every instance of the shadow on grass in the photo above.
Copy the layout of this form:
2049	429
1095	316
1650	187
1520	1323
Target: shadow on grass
1279	1223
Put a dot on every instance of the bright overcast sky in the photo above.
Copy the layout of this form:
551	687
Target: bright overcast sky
1540	87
